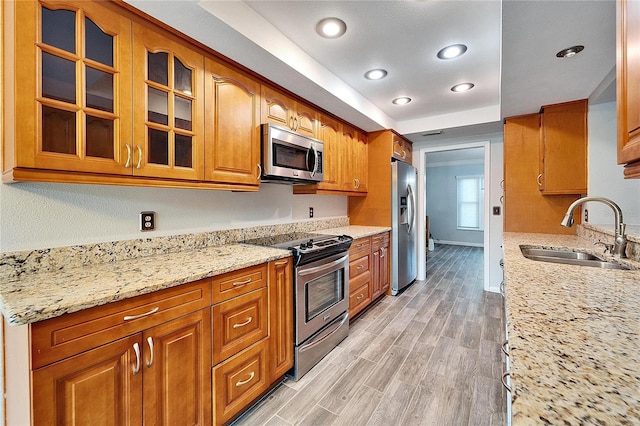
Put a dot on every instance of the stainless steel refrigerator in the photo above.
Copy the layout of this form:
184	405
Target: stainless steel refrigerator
403	225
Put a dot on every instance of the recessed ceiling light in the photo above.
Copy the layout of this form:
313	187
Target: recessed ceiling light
331	27
403	100
376	74
570	52
452	51
462	87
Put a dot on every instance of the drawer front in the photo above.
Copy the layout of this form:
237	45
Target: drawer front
59	338
236	283
359	266
359	298
238	381
238	323
380	240
360	247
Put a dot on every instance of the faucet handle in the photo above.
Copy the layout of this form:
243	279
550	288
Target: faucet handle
608	248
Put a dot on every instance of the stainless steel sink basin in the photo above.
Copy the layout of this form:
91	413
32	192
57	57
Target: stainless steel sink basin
569	258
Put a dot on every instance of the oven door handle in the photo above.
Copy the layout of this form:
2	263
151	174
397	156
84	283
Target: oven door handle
312	342
324	267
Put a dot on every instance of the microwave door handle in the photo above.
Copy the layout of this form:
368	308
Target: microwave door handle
315	163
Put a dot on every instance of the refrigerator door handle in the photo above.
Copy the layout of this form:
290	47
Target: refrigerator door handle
412	209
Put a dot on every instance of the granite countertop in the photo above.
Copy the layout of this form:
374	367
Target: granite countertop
574	337
37	296
355	231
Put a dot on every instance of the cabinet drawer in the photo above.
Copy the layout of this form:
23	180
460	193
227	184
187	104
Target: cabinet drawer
359	298
238	323
70	334
359	266
232	284
238	381
359	248
380	240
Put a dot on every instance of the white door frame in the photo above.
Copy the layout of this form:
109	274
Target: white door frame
422	203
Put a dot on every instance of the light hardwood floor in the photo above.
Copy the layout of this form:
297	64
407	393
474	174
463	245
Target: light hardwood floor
430	356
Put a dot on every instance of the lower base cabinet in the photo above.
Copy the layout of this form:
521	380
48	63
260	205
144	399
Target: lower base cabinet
368	271
184	355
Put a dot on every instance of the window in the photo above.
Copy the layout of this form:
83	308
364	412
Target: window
470	202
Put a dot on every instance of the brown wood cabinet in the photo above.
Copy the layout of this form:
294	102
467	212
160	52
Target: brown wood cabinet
563	148
233	126
159	374
628	86
356	172
284	111
402	149
281	317
526	209
168	108
380	281
368	271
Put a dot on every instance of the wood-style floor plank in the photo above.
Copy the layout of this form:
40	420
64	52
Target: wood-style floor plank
429	356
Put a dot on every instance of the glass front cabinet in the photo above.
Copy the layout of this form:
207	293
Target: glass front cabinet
78	107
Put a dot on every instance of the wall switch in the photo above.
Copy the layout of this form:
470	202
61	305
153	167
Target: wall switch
496	210
310	211
147	221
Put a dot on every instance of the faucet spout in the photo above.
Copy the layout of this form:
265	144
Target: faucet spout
620	245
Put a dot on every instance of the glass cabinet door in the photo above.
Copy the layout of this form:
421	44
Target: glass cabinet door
81	66
168	108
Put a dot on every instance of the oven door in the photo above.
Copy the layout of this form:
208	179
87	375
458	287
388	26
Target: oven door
322	294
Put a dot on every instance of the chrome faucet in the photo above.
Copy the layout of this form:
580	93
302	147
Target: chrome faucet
620	243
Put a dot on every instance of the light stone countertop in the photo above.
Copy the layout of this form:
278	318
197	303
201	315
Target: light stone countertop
574	337
355	231
39	296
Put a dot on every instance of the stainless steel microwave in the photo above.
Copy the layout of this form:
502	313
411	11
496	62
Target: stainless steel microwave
290	157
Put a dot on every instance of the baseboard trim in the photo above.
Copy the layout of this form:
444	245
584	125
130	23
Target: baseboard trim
458	243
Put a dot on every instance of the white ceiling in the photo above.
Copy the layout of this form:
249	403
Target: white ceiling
510	57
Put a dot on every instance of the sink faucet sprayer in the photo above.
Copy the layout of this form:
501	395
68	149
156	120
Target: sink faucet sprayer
620	244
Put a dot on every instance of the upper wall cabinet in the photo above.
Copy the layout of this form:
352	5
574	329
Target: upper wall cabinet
168	137
281	110
628	86
402	149
68	87
563	149
356	173
233	126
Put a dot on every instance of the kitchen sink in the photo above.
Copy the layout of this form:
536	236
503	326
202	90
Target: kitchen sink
569	257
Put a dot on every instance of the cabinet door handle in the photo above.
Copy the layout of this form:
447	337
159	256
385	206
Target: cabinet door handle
244	382
504	381
504	347
295	123
132	317
139	148
382	252
241	283
242	324
136	348
291	123
398	153
404	154
502	199
127	164
284	262
359	267
150	342
538	179
259	172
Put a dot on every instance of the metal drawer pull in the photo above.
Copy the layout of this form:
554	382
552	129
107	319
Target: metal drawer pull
259	172
360	267
504	381
241	283
132	317
244	382
360	296
284	262
136	348
538	179
242	324
150	342
504	347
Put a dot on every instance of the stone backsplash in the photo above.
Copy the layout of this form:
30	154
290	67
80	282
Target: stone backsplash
606	234
14	264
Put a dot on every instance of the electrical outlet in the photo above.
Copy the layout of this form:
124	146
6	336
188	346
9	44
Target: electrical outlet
310	211
147	221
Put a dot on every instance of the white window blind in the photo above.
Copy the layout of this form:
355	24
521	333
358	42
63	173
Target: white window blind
470	202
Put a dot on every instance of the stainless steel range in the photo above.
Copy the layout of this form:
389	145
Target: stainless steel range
321	293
